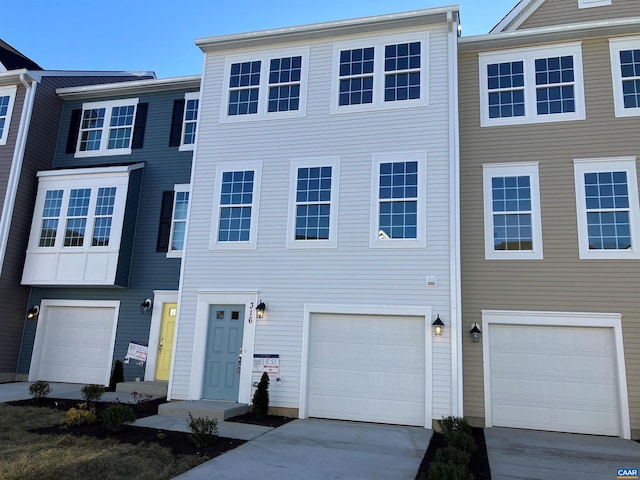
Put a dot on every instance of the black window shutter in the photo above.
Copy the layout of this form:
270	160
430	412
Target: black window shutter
138	127
176	123
164	230
74	129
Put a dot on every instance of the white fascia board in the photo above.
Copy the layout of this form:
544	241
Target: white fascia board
128	88
91	170
13	77
526	6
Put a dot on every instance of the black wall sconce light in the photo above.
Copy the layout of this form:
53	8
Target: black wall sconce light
33	311
260	309
145	306
438	326
475	332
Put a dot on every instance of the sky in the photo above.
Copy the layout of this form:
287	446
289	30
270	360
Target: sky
159	36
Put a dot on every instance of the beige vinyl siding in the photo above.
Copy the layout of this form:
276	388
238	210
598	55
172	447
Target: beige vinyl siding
559	282
558	12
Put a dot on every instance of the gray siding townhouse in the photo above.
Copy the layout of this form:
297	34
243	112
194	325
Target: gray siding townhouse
29	115
107	234
550	115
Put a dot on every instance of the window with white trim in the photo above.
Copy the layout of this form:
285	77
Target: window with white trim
7	98
512	219
398	200
106	128
179	220
593	3
235	213
313	203
190	120
387	72
267	85
607	207
625	73
531	85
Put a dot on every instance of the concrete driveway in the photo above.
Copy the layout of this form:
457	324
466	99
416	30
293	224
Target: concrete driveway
322	449
532	455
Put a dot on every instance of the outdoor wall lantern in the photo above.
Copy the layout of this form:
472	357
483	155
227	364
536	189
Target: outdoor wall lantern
438	326
33	311
475	332
260	309
145	306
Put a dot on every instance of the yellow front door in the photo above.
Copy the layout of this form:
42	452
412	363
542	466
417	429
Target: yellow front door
165	345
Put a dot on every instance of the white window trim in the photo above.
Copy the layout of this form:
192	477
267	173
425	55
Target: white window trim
489	171
593	3
528	56
104	140
378	73
263	88
421	235
183	187
332	242
11	93
214	244
189	146
627	164
615	47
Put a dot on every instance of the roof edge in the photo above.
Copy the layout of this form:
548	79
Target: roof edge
136	86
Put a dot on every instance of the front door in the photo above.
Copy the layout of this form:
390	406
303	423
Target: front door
222	354
165	345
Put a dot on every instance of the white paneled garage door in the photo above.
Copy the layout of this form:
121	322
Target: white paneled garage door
367	368
554	378
74	343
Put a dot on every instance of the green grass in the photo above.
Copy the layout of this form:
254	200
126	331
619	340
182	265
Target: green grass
26	456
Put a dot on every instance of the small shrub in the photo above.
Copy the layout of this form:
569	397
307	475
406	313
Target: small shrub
448	471
116	417
454	424
80	416
92	392
39	389
204	430
461	441
117	375
451	454
261	397
141	398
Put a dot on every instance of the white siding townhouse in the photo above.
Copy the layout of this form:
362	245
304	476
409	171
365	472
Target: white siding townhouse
324	190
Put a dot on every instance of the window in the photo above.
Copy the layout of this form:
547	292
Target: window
593	3
625	72
512	220
399	200
7	97
531	85
190	121
268	85
607	208
77	217
103	216
50	216
235	214
388	72
313	203
179	220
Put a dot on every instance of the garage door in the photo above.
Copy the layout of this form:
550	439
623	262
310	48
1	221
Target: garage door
554	378
367	368
74	344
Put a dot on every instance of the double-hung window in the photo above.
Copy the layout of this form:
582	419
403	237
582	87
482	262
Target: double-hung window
179	220
235	213
531	85
512	220
398	206
625	72
388	72
607	208
190	120
313	203
266	85
7	97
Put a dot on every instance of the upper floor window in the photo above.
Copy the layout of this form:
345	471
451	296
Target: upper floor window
179	220
531	85
607	208
380	73
313	203
593	3
399	200
625	72
7	97
271	84
512	223
190	121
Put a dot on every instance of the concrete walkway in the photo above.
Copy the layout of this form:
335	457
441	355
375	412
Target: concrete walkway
322	449
526	454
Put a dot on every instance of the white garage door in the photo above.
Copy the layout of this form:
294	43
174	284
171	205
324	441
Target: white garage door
367	368
74	344
554	378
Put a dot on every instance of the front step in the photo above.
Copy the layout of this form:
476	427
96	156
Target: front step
203	408
155	389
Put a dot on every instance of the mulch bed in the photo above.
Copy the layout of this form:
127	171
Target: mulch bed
266	421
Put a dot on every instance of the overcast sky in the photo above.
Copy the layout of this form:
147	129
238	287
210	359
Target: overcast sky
159	35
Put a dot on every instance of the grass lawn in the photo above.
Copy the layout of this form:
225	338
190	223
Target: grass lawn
25	455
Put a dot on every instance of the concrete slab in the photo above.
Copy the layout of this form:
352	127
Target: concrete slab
532	455
203	408
155	389
240	431
321	449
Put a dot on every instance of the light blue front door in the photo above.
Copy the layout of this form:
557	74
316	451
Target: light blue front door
224	341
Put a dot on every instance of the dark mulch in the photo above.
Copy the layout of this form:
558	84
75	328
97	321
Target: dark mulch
141	409
478	466
266	421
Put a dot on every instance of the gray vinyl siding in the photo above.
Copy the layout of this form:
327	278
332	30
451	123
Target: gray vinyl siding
559	12
129	228
561	281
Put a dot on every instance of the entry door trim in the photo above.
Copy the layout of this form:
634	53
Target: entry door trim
160	297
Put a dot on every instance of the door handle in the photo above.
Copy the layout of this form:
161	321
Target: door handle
239	361
161	344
